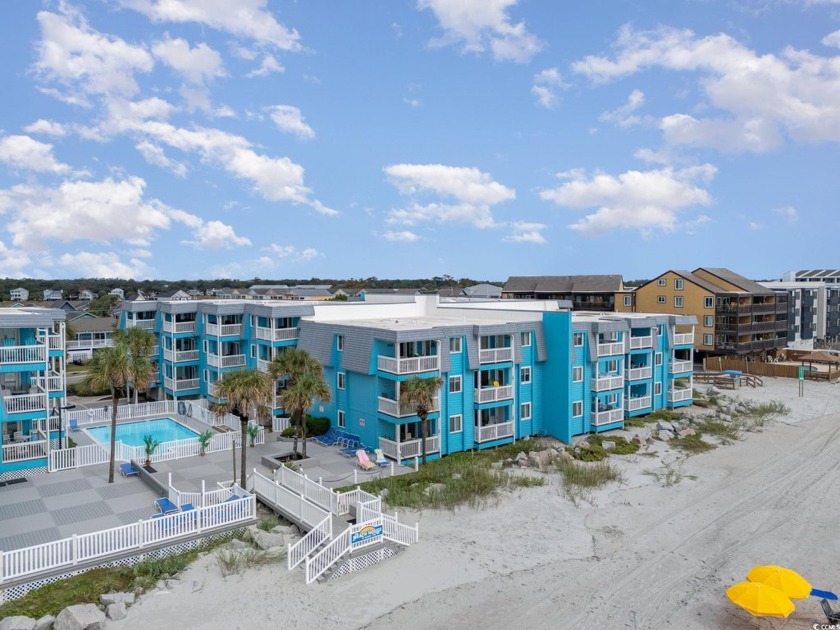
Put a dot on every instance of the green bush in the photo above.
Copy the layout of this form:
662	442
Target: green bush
317	425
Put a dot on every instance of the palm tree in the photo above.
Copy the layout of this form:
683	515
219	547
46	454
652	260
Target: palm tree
110	368
298	396
290	365
140	343
241	391
420	393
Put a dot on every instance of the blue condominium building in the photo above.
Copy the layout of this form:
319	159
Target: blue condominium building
509	369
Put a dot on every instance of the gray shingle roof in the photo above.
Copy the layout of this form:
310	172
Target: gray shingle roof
738	280
94	324
564	284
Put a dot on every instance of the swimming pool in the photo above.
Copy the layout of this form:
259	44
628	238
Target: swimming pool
131	433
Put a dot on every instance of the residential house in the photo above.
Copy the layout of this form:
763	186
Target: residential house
586	293
175	294
89	334
19	295
53	294
86	295
118	292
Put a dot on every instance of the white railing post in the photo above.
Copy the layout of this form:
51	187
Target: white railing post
140	533
392	469
74	549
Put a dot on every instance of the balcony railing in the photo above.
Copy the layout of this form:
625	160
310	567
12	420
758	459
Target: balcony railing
223	330
23	354
678	367
24	450
493	394
179	356
51	383
55	342
278	403
226	361
391	407
637	343
610	349
641	402
763	308
411	365
78	344
603	383
410	449
495	355
639	373
683	339
25	403
610	416
276	334
678	394
178	385
178	327
491	432
146	324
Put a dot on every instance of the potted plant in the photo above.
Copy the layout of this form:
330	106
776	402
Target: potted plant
253	432
204	441
150	444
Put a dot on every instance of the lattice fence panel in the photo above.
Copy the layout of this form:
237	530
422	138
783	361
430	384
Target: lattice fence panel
26	472
360	563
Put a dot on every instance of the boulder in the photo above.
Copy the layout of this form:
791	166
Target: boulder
542	458
687	432
711	390
18	622
385	491
44	623
80	617
607	444
663	425
565	455
665	435
237	544
115	611
267	540
521	457
434	488
282	529
455	476
113	598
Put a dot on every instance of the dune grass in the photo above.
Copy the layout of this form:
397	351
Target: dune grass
580	479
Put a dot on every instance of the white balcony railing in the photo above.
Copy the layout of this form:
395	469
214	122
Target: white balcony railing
493	394
276	334
411	365
410	449
641	402
24	450
25	403
639	373
491	432
178	327
683	339
679	395
224	330
51	383
23	354
604	383
262	365
495	355
391	407
79	344
55	342
610	349
146	324
610	416
678	367
638	343
180	384
227	361
179	356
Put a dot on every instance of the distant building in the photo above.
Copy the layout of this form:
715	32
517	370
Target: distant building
19	295
53	294
175	295
91	333
85	294
118	292
586	293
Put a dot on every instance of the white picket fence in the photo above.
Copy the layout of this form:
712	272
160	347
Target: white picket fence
68	553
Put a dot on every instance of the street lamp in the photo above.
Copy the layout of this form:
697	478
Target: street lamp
57	412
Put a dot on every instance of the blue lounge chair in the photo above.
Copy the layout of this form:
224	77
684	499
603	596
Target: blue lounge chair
329	438
74	425
128	470
166	506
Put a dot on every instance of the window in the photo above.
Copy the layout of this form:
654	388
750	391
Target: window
206	346
577	409
206	376
525	338
253	351
657	389
339	342
455	384
455	344
525	411
577	374
341	378
341	420
661	282
707	340
577	340
708	302
678	301
628	300
612	366
708	321
525	375
657	358
456	423
612	399
660	299
678	284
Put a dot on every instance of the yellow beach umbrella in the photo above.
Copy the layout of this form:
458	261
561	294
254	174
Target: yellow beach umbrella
786	580
760	600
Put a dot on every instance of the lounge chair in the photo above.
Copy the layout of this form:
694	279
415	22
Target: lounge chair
166	506
74	424
128	470
380	458
363	462
832	615
329	438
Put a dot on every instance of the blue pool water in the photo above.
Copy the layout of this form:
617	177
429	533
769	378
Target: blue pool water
131	433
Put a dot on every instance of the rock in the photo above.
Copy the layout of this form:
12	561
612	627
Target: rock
113	598
639	439
542	458
282	529
17	623
565	455
80	617
386	491
237	544
663	425
267	540
171	583
665	435
115	611
711	390
687	432
454	476
496	465
434	488
521	457
44	623
607	444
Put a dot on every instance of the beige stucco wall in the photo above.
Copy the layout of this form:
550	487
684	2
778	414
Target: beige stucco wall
694	298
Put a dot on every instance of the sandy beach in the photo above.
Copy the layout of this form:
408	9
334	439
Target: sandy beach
642	554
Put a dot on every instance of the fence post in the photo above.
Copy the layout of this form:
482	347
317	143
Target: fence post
416	464
355	476
74	549
140	541
2	567
392	469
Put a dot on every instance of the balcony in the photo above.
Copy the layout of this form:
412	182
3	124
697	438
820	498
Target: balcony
93	344
179	327
262	365
50	383
24	450
640	343
609	416
181	384
145	324
491	432
223	330
615	348
606	382
25	403
493	394
678	367
679	394
410	449
180	356
413	365
54	342
23	354
759	327
276	334
391	407
495	355
641	402
764	308
639	373
683	339
226	361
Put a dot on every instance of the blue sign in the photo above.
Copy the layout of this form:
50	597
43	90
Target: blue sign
366	533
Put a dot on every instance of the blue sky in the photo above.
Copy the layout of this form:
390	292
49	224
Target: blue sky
476	138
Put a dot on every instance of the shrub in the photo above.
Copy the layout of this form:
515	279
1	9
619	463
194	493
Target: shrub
692	444
317	425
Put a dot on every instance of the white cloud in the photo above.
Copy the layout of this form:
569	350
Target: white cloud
46	127
524	232
269	65
403	236
474	194
646	200
288	118
759	98
623	116
482	24
105	265
216	235
244	18
544	86
291	253
24	152
15	262
199	64
153	154
755	226
308	254
832	39
789	213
